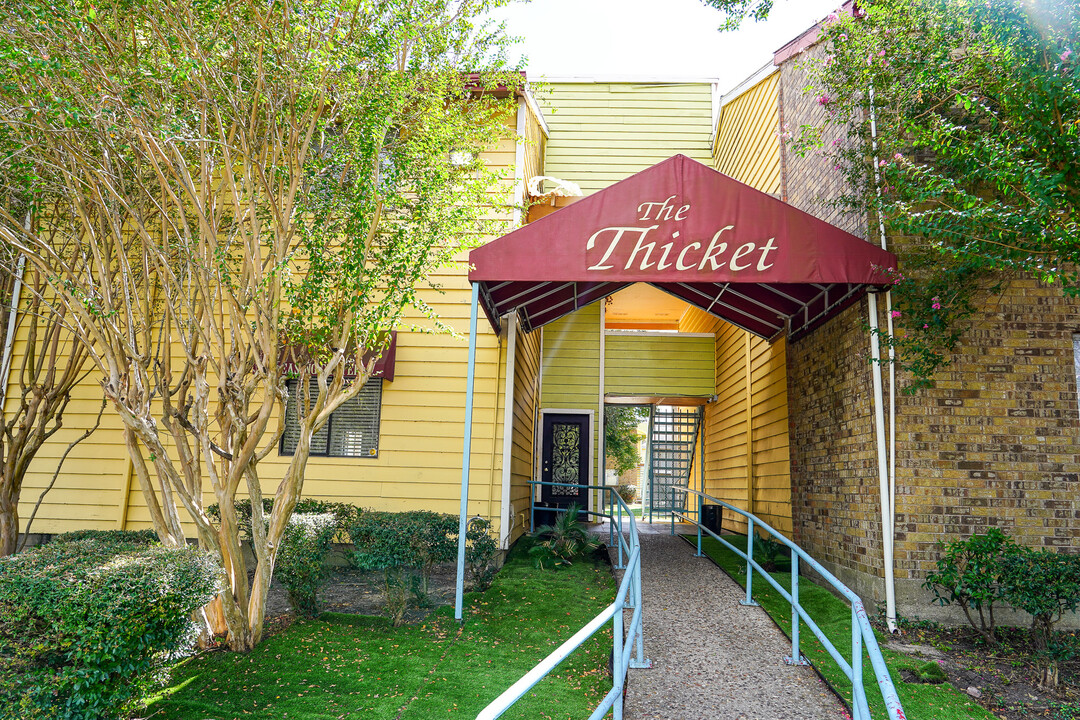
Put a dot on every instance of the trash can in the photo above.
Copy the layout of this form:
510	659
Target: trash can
712	516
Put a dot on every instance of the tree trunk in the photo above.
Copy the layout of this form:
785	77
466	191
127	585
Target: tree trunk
9	526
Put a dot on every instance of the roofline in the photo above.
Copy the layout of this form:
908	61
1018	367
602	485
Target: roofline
531	102
648	79
809	37
765	71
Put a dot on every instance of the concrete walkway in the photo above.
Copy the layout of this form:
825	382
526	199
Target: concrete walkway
712	657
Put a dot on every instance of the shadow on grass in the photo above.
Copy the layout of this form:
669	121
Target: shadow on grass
833	616
356	666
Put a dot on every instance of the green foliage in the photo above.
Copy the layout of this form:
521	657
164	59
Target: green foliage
969	574
621	437
931	672
975	167
628	492
344	514
405	547
120	537
362	667
767	552
1045	584
301	562
86	627
738	10
563	541
481	553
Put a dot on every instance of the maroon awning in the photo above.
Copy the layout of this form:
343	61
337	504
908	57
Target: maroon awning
731	250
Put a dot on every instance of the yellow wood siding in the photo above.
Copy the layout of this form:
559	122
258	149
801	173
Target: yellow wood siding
603	132
571	368
751	471
747	145
421	426
526	407
654	365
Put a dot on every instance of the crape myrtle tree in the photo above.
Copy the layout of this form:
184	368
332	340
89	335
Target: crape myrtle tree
961	132
220	187
41	377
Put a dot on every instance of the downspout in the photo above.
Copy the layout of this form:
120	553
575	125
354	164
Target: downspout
886	454
9	338
508	430
602	440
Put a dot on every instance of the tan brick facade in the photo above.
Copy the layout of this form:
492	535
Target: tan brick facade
995	441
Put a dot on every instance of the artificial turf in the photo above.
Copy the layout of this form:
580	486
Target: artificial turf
355	666
833	616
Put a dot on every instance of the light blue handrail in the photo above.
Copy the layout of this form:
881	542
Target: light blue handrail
861	632
628	596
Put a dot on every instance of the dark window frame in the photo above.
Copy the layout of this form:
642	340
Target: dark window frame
373	386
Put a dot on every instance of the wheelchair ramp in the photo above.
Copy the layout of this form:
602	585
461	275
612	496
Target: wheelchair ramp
712	657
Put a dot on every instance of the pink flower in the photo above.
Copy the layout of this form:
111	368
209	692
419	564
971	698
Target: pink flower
896	313
833	16
1066	55
843	36
897	157
824	100
936	304
925	327
881	53
882	163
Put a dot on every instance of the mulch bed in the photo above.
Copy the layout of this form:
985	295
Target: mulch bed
1003	680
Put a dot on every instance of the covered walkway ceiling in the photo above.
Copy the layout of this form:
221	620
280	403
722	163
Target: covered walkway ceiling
736	253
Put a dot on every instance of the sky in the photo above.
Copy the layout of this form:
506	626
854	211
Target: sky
651	38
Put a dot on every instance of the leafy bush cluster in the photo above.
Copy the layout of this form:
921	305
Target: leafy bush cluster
404	546
130	537
407	546
86	625
628	492
563	541
301	562
990	570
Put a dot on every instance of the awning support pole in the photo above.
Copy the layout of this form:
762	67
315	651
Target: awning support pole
466	459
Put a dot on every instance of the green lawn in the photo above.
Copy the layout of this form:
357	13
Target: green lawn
354	666
833	616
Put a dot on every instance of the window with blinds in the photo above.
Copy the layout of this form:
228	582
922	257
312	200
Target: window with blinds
352	431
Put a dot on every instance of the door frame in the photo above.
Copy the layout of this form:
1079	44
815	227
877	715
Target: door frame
538	450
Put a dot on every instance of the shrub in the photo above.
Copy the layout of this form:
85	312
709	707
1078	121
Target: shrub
344	513
770	552
563	541
1046	585
86	627
969	575
301	562
131	537
480	554
405	547
627	492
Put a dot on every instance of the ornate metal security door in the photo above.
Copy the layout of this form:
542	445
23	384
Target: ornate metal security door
565	459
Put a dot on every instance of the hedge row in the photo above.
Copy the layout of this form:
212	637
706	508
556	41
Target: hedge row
87	625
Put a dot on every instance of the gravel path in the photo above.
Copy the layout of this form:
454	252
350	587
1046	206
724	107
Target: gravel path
712	657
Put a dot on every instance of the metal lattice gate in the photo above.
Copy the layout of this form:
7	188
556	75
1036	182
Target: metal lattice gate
673	434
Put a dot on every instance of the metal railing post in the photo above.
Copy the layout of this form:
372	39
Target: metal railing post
700	505
611	518
858	695
796	654
749	567
620	565
671	508
616	659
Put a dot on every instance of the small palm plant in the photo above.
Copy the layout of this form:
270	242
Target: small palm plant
562	541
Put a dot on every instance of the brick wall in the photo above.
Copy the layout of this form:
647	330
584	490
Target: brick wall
995	441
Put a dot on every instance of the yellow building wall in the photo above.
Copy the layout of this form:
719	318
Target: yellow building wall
421	426
570	375
747	146
669	365
526	414
603	132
